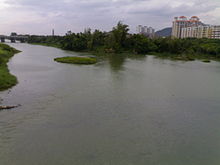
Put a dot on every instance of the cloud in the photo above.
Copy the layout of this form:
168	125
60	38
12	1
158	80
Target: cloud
40	16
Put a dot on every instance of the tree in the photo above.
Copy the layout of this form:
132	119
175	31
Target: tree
142	45
97	40
117	37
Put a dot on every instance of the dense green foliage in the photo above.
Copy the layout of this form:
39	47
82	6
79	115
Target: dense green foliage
77	60
6	79
46	40
119	40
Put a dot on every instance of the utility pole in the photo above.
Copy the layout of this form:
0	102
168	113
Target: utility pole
53	32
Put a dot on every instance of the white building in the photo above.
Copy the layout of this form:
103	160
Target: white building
201	31
182	22
215	32
148	31
139	29
193	28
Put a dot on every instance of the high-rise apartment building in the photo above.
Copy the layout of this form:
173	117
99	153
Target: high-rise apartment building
215	32
182	22
193	28
178	24
148	31
201	31
139	29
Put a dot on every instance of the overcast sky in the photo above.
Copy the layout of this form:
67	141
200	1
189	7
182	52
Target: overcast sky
41	16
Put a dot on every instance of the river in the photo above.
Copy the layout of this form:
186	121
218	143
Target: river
120	111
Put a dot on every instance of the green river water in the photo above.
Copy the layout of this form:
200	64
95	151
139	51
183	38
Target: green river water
120	111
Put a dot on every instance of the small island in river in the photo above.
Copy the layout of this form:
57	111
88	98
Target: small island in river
77	60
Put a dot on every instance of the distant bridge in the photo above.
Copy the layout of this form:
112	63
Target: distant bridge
15	38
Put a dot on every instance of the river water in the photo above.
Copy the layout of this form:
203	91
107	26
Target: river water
120	111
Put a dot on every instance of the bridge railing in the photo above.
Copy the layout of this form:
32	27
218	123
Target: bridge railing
13	38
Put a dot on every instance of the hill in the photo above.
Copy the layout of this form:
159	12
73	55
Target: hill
166	32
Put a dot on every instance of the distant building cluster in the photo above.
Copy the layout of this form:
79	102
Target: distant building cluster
145	30
193	28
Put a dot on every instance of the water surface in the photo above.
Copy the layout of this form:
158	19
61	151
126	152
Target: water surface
120	111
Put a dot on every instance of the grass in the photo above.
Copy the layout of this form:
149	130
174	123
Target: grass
206	61
7	80
77	60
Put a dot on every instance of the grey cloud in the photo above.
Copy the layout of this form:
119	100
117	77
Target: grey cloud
64	15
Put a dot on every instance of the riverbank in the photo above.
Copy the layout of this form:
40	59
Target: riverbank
186	57
179	57
120	41
48	44
7	80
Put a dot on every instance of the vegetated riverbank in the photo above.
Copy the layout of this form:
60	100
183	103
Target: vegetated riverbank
186	57
120	41
77	60
7	80
102	53
48	44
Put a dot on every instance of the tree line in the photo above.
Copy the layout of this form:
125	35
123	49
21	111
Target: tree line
120	40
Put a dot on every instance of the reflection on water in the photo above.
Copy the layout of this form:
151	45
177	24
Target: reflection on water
117	61
126	110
